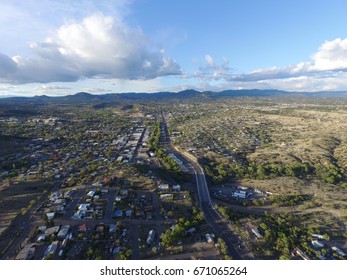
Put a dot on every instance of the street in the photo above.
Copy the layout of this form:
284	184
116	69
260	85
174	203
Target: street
213	218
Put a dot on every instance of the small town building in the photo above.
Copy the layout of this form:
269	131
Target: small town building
112	228
176	188
339	251
255	231
63	232
210	237
52	248
163	187
118	213
316	244
239	194
50	216
27	252
52	230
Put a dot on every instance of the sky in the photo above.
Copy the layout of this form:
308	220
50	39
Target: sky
60	47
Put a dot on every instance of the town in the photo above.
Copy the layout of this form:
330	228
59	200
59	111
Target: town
158	181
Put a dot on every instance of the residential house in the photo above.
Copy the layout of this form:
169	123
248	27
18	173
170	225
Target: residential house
163	187
63	232
52	248
210	237
118	213
256	232
176	188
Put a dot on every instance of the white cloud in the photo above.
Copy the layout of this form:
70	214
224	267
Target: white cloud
51	89
327	70
97	46
212	70
210	61
332	82
95	90
332	55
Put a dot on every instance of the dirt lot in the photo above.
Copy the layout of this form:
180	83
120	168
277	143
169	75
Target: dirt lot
195	251
326	197
16	199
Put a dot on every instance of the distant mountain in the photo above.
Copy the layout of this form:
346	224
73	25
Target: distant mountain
83	95
252	92
80	97
109	99
188	93
7	96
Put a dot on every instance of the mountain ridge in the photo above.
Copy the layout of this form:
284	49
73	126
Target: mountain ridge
85	97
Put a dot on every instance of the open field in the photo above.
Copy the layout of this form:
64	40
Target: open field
16	199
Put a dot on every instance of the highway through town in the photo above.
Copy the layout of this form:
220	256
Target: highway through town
212	216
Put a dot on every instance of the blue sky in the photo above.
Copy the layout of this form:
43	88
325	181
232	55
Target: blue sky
60	47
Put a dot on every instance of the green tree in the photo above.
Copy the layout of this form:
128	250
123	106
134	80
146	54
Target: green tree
223	246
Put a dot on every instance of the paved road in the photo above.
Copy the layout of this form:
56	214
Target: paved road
92	222
109	208
212	216
72	205
139	144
